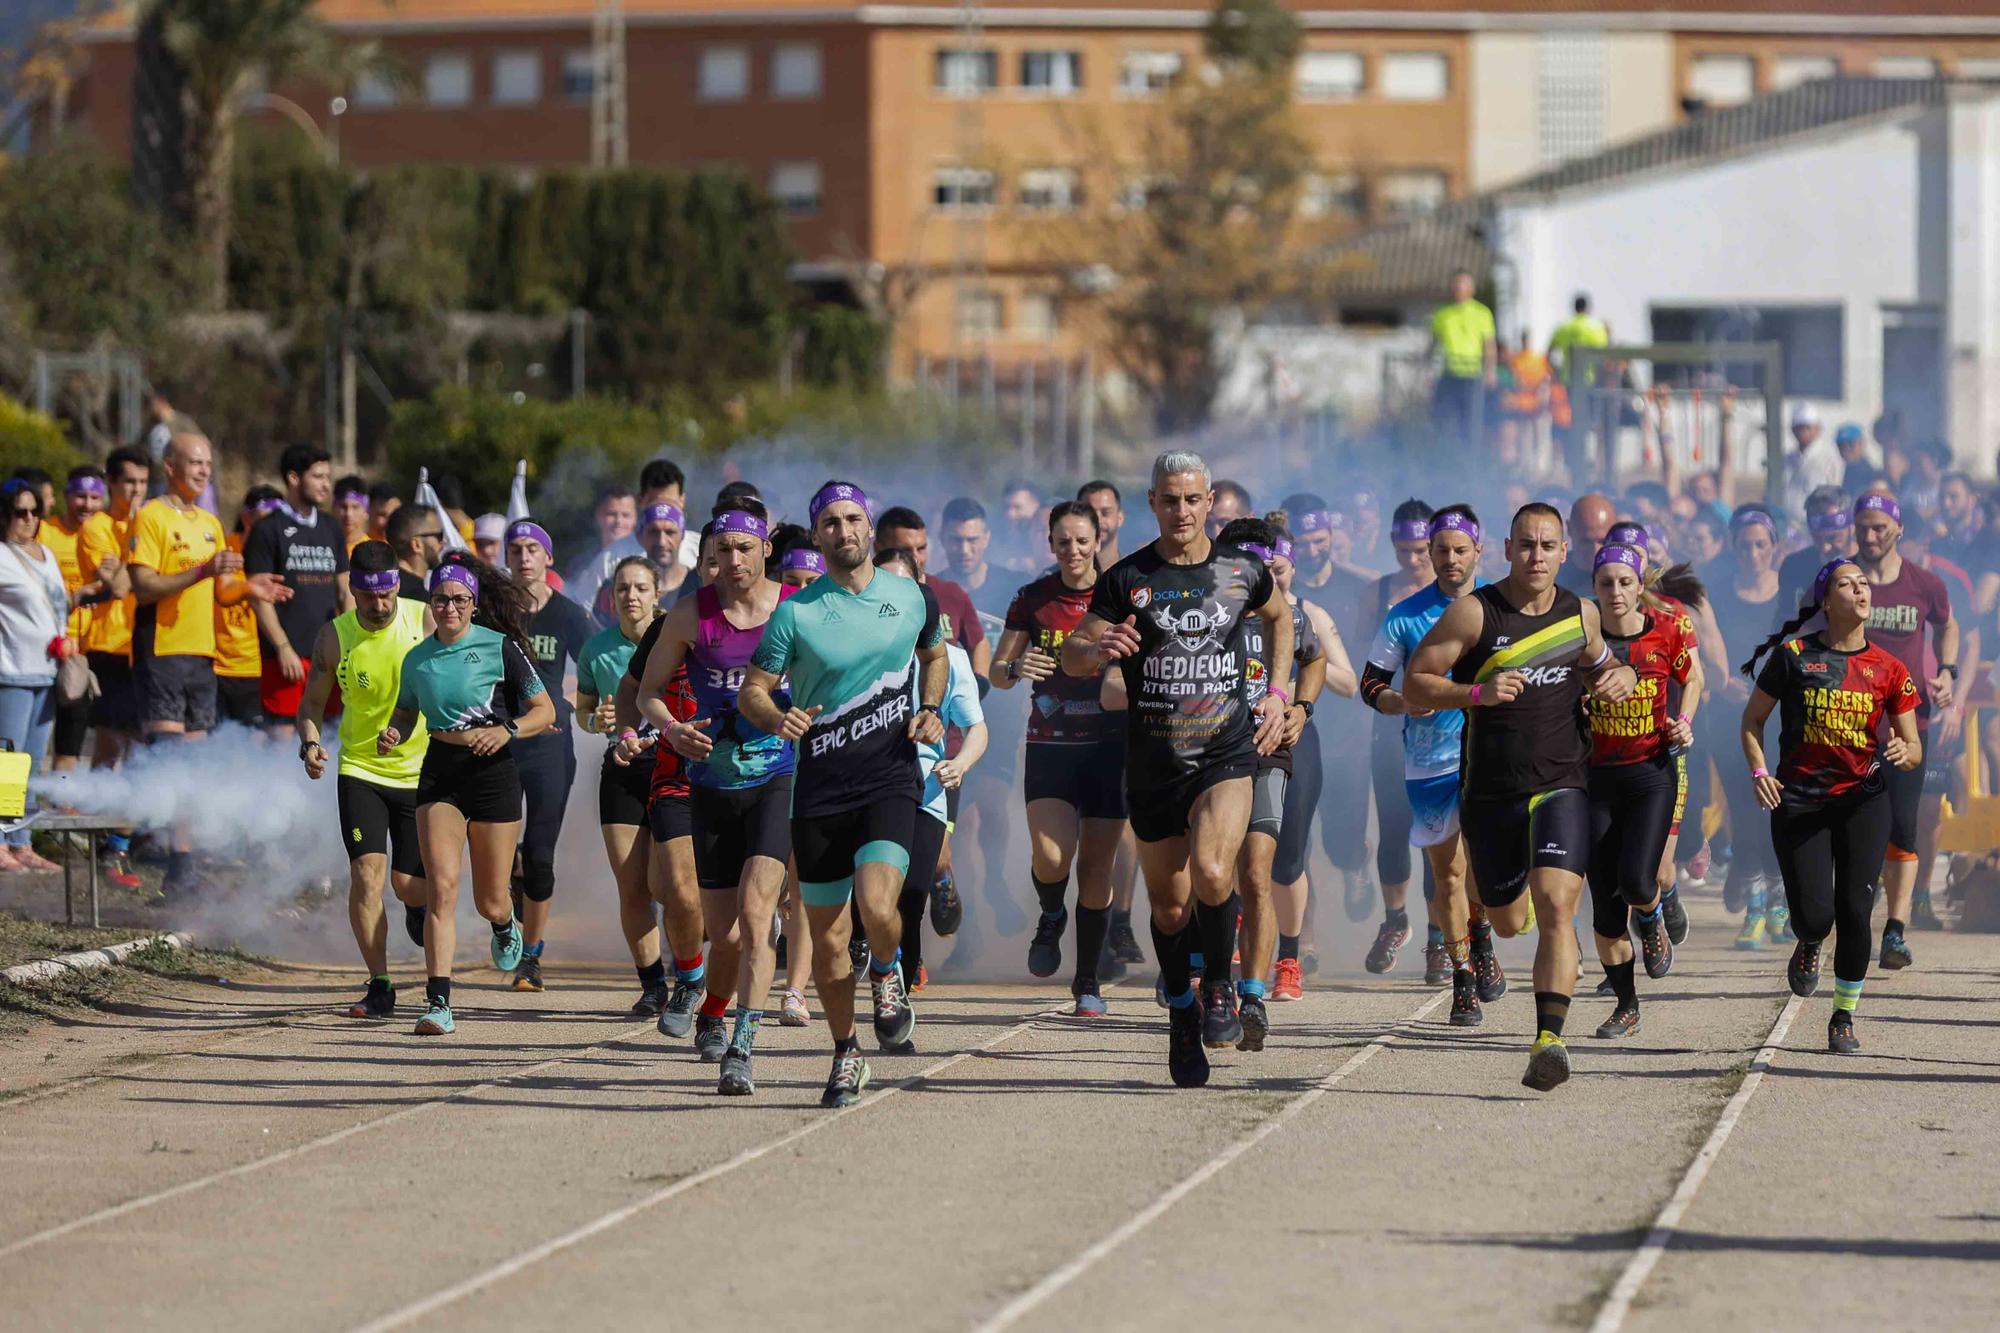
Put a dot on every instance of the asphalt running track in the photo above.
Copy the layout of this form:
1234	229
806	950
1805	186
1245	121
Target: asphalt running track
242	1158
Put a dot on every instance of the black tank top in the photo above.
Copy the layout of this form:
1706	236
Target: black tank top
1540	741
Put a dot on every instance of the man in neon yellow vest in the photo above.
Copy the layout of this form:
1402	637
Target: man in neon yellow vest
1462	339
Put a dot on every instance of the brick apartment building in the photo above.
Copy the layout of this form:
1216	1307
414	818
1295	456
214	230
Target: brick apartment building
900	141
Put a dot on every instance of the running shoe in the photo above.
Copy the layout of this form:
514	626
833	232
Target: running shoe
923	979
436	1021
1624	1021
857	951
947	909
1286	984
1465	1009
1604	986
1548	1063
794	1014
894	1019
850	1076
677	1014
413	924
1698	867
1778	923
1089	1004
1187	1062
651	1000
1802	973
1895	951
1160	992
735	1080
1308	961
1735	895
117	867
1256	1024
1676	915
507	947
1382	954
1124	944
1045	950
1358	897
1486	969
1109	967
1220	1024
1656	946
528	976
711	1037
1752	934
379	1001
1840	1038
1437	965
1922	915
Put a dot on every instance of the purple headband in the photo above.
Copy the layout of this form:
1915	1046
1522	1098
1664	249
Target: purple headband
351	493
1284	549
663	513
1827	523
834	492
1825	577
1744	518
1881	504
526	529
1314	520
1258	549
1411	530
800	557
1615	554
1626	534
458	574
739	520
1454	522
378	580
84	485
269	504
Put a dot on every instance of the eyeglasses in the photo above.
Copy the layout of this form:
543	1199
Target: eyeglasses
437	536
27	511
450	601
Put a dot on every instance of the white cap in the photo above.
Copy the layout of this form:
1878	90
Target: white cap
1805	414
489	527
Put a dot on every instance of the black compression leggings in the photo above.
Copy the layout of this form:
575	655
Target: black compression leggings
926	845
548	770
1301	799
1830	856
1750	852
1631	809
1343	802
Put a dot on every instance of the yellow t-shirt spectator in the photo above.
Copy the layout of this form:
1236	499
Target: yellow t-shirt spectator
236	651
171	540
1581	330
1462	331
110	628
60	536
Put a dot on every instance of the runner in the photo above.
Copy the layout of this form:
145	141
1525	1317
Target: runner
364	651
801	567
739	778
416	534
1075	766
1519	653
303	547
1634	778
350	510
101	547
1171	614
622	789
1904	601
1830	808
1746	607
661	537
1432	741
239	661
554	630
1109	506
473	687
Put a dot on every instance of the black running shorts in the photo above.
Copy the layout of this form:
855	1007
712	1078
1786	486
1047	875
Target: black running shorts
829	848
376	820
1508	836
486	789
1161	812
733	824
670	817
176	688
622	791
1089	778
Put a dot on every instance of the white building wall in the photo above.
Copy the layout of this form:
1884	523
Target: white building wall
1972	316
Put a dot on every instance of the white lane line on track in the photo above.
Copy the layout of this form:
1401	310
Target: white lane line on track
1619	1304
298	1150
1010	1313
478	1281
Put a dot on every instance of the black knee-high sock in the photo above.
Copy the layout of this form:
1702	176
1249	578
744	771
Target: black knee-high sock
1623	981
1551	1008
1288	947
1172	951
1215	927
910	906
1091	925
1051	892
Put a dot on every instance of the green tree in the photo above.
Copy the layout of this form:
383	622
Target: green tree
1260	34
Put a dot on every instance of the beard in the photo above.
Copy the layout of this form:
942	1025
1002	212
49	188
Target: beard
847	558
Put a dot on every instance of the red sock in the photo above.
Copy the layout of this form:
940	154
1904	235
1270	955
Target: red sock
714	1006
688	967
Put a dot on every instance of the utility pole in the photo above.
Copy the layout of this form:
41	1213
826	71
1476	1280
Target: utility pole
610	142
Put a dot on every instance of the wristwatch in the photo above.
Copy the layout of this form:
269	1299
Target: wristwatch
1012	667
1949	668
513	727
1307	705
308	745
932	709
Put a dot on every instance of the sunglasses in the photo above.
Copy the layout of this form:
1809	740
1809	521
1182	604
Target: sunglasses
436	536
451	601
27	511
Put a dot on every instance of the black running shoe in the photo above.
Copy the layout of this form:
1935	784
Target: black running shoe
1382	954
1109	967
1187	1062
894	1019
1895	951
413	925
1604	987
1840	1038
1486	969
1465	1009
1803	971
1255	1022
651	1000
528	976
736	1080
1922	915
947	909
849	1077
1045	950
1656	946
1735	896
1437	964
711	1037
1124	944
1220	1024
1624	1021
677	1014
1676	915
379	1001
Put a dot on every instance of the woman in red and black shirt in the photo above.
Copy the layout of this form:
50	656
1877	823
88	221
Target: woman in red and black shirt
1634	781
1828	800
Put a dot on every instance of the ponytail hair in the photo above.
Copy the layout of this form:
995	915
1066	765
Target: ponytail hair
1679	582
1784	631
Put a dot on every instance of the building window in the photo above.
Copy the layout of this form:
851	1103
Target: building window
1143	73
448	79
1036	317
1570	95
1722	80
517	78
979	315
956	189
1979	67
795	71
1415	76
1337	196
1906	67
1052	73
1329	76
966	73
579	75
796	187
1812	337
372	90
1411	194
1136	193
724	74
1791	71
1049	190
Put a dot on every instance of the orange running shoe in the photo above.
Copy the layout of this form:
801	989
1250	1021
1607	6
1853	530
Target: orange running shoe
921	980
1287	984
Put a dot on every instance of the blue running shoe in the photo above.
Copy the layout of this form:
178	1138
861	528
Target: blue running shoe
507	948
436	1021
